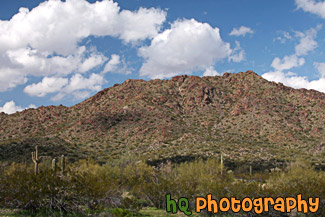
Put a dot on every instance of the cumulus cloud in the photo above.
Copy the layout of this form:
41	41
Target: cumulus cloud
47	85
10	78
241	31
91	62
77	86
187	46
44	42
56	26
117	65
306	44
287	62
80	87
292	80
312	6
139	25
78	82
11	107
112	64
210	72
27	61
307	41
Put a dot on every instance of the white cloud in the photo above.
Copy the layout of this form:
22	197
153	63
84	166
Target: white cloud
56	26
117	65
91	62
238	54
80	87
287	62
312	6
187	46
141	24
44	42
78	82
286	36
210	72
77	86
27	61
47	85
124	68
292	80
307	41
77	95
241	31
11	107
306	44
112	64
320	68
10	78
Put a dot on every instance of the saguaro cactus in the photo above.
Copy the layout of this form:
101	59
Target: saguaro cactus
54	166
36	160
62	165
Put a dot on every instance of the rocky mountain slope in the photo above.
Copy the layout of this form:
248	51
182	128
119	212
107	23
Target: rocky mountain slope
241	115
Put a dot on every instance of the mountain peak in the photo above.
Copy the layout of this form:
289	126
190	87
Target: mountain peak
179	78
250	72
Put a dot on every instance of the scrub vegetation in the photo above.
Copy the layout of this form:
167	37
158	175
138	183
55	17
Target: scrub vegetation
133	188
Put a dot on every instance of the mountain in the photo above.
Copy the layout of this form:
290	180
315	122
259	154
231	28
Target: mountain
245	117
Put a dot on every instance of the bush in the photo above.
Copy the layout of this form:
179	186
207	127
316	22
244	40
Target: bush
20	188
126	188
303	179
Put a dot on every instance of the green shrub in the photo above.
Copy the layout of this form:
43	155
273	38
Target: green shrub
303	179
20	188
125	188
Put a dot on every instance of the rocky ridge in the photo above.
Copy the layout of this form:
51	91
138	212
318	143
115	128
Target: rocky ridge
241	115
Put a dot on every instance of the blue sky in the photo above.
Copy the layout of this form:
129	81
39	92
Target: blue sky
61	52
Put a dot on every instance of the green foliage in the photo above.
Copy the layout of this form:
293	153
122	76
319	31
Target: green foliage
97	186
126	188
119	212
20	188
301	178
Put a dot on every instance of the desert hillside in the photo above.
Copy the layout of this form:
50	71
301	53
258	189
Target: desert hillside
241	115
